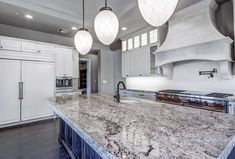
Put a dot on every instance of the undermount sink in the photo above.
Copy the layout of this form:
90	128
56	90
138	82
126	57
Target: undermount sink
129	101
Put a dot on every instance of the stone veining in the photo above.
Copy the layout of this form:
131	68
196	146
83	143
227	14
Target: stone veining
146	130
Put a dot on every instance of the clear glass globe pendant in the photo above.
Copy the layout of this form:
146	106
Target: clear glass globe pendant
83	40
106	25
157	12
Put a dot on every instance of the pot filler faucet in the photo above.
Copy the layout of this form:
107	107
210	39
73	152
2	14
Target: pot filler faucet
117	94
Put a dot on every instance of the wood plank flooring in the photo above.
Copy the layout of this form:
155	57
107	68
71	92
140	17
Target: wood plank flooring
35	141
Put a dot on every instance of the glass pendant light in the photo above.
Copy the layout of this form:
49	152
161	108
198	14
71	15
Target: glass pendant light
83	39
157	12
106	25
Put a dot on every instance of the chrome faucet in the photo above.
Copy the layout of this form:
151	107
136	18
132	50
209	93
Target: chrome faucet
117	94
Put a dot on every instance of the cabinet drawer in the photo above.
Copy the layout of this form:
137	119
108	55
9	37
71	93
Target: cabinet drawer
142	95
46	49
10	45
30	47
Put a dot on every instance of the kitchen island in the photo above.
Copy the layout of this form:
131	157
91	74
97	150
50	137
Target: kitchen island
143	129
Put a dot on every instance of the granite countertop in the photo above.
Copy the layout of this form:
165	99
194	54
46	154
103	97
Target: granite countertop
146	129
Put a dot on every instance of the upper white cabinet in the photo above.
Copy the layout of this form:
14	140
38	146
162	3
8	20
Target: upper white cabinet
46	49
137	59
6	44
63	62
37	48
30	47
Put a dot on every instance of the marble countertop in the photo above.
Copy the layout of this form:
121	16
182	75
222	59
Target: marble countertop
144	129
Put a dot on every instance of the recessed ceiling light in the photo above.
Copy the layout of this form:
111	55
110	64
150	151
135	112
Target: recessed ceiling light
74	28
28	16
124	28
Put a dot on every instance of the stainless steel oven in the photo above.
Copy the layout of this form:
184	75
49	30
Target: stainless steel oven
63	83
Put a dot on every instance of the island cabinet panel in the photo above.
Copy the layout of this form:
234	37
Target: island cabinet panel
79	148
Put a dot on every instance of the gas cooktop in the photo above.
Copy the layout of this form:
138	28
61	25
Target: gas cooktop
204	100
196	93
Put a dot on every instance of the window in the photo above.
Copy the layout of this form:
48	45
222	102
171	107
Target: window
130	44
153	36
144	39
137	41
124	47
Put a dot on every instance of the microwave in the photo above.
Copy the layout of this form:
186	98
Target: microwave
64	83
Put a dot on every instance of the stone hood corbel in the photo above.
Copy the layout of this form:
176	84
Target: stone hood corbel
193	35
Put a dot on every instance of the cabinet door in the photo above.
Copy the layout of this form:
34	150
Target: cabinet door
59	62
145	61
68	62
46	49
10	45
126	64
9	94
75	64
131	63
137	63
38	78
30	47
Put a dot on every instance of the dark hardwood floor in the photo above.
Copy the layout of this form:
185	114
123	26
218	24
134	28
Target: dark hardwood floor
34	141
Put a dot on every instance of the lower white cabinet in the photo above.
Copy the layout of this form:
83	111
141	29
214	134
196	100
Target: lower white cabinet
25	87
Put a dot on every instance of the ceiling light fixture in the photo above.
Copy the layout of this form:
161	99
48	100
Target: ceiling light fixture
157	12
74	28
83	39
106	25
124	28
28	16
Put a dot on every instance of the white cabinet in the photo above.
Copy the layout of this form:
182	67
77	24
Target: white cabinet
46	49
75	64
37	48
63	62
7	44
30	47
25	87
136	62
9	86
38	79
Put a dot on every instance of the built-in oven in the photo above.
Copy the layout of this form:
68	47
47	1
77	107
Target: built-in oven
64	83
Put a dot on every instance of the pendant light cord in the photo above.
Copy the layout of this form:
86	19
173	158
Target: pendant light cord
105	3
83	17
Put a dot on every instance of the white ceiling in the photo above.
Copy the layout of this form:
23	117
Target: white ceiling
49	15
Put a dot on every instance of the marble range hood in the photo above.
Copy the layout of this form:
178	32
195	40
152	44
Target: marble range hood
193	35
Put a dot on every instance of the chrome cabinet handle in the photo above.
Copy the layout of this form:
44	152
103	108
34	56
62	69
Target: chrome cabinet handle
21	90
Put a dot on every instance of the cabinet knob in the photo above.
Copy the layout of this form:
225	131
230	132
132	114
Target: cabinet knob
1	47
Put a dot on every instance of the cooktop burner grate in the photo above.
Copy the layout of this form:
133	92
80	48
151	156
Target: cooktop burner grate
219	95
171	91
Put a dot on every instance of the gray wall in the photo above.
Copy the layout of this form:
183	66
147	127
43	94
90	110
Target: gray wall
117	66
94	70
12	31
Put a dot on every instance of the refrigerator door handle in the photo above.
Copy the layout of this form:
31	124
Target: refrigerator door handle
21	92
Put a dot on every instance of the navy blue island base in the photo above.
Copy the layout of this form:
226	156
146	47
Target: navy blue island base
74	144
